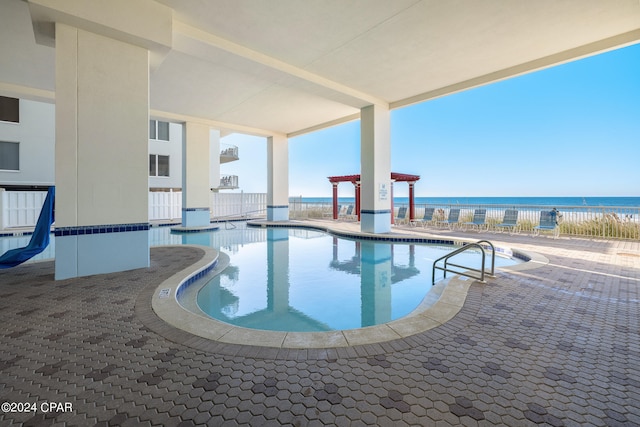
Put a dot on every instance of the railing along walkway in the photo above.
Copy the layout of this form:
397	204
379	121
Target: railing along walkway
607	222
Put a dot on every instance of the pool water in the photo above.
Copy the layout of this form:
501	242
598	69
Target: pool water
303	281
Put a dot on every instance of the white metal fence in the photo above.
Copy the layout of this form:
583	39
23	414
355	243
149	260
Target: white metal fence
168	205
610	222
22	208
165	205
224	205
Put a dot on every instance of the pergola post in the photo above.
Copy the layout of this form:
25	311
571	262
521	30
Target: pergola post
356	180
335	200
412	205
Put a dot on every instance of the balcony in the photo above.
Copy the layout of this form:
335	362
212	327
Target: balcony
228	182
228	153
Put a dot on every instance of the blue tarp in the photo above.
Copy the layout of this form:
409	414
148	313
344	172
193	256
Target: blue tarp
39	239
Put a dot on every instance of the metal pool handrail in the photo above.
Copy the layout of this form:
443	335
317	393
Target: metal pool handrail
462	249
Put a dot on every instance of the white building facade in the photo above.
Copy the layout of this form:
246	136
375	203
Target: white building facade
27	149
27	135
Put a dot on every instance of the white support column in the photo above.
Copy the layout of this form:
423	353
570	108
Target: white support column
214	171
102	139
277	178
375	159
214	162
102	59
196	175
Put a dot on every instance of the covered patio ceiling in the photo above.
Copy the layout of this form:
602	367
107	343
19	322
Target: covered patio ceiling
291	67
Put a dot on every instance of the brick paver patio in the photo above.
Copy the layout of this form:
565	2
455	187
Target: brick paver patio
558	345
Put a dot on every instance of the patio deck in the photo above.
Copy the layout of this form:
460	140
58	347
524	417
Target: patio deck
556	345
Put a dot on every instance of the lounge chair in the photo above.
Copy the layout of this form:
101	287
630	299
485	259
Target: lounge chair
452	219
330	213
509	222
348	214
479	220
402	215
427	218
548	222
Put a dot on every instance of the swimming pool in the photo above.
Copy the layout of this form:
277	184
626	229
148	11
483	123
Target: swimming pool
300	280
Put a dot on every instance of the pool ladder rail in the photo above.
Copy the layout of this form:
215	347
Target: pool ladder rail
467	270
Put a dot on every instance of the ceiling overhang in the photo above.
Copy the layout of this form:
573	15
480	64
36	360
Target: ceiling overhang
289	67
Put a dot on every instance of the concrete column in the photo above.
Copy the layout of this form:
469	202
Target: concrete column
375	149
214	167
102	159
358	207
393	208
195	175
277	178
214	162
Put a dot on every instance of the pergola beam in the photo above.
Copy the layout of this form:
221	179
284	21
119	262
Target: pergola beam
355	180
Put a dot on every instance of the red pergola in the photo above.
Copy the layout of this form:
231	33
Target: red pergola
355	180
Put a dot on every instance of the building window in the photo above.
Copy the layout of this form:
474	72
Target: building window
9	109
9	156
158	165
158	130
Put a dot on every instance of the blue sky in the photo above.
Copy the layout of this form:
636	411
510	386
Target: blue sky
570	130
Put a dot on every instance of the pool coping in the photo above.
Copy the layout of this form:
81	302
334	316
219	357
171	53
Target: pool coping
192	328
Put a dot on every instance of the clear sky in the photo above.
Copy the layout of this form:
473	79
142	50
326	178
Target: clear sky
570	130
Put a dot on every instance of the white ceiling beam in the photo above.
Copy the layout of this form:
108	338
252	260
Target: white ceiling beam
321	126
25	92
222	126
273	63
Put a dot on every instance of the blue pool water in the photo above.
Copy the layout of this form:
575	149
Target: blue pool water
302	280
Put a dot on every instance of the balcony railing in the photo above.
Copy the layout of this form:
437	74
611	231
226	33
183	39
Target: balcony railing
228	182
228	153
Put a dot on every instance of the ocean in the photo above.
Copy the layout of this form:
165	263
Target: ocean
505	201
